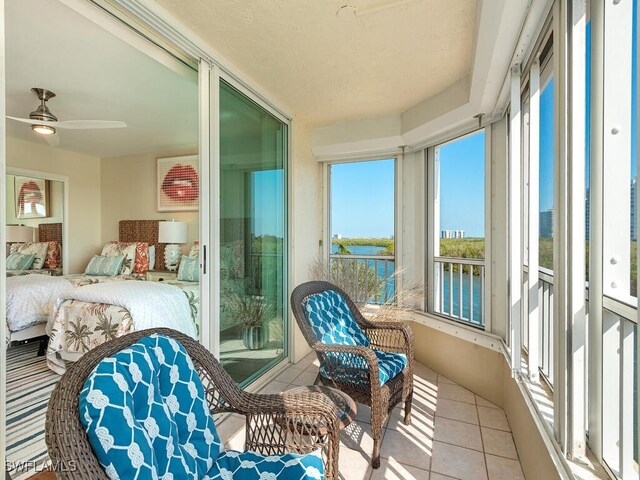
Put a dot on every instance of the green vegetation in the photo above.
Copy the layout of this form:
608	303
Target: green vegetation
374	242
462	247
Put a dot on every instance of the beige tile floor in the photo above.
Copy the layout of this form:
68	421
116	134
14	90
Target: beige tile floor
454	434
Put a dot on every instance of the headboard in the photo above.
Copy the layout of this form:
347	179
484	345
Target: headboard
50	232
143	231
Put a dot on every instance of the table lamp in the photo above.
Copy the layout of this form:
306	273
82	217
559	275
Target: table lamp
172	233
19	234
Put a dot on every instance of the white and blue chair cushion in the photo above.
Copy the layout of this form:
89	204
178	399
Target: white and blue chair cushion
333	323
250	465
145	412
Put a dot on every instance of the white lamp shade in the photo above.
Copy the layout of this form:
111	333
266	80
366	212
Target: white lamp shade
172	232
19	234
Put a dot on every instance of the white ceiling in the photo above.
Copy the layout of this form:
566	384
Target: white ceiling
328	67
96	76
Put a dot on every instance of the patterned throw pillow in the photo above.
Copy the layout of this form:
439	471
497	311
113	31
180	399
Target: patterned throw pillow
53	256
38	249
189	269
141	262
145	412
128	251
194	251
105	266
254	466
19	261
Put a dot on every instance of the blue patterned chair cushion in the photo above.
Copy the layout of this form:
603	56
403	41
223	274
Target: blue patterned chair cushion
332	321
348	368
146	416
253	466
145	412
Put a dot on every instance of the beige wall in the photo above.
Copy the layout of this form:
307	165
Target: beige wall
486	372
472	366
129	193
306	218
83	172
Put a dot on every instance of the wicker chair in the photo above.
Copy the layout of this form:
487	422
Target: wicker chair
275	424
384	336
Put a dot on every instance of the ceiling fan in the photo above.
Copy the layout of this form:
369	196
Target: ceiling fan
45	123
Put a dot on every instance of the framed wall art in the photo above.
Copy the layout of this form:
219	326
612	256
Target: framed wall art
178	183
31	197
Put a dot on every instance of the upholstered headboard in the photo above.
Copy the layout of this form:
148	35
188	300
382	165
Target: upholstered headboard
143	231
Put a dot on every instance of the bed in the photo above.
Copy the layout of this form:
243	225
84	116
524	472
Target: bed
86	317
26	326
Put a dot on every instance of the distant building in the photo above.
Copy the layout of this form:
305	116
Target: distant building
546	224
452	234
337	236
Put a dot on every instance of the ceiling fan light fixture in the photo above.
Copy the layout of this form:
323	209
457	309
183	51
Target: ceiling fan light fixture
43	129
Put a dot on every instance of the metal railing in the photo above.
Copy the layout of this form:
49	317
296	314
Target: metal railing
545	303
460	288
367	278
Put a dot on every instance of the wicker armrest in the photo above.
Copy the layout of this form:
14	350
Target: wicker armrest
367	353
391	336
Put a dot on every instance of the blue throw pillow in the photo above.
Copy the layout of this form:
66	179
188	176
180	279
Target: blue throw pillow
19	261
104	266
332	321
145	412
253	466
189	269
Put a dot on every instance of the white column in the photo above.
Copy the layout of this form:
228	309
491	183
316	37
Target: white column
534	220
432	229
515	245
488	223
3	222
575	227
595	369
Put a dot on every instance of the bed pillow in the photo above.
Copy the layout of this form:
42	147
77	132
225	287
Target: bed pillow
194	252
152	257
39	251
105	266
19	261
128	251
53	256
141	260
189	269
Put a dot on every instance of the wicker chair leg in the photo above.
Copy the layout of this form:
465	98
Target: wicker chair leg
375	461
407	409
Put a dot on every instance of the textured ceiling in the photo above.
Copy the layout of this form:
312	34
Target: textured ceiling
96	76
377	57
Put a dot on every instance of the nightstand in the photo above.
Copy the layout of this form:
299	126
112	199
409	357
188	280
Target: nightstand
160	275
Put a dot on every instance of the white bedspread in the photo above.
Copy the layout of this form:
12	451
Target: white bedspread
151	304
31	299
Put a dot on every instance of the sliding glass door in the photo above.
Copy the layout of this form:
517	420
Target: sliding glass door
253	179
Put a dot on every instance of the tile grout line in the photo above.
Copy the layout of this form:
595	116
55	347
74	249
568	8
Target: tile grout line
484	450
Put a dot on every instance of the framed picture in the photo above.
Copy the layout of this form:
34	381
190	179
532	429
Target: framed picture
178	183
31	197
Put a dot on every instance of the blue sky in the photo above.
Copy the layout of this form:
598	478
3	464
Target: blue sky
462	185
362	199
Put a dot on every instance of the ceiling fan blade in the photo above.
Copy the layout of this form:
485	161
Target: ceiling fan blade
52	140
89	124
34	122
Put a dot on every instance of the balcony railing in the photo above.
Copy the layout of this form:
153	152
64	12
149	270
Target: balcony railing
367	278
460	289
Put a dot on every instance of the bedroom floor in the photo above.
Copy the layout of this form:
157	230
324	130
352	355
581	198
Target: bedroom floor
454	433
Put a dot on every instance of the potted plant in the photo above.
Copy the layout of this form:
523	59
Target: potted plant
254	314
